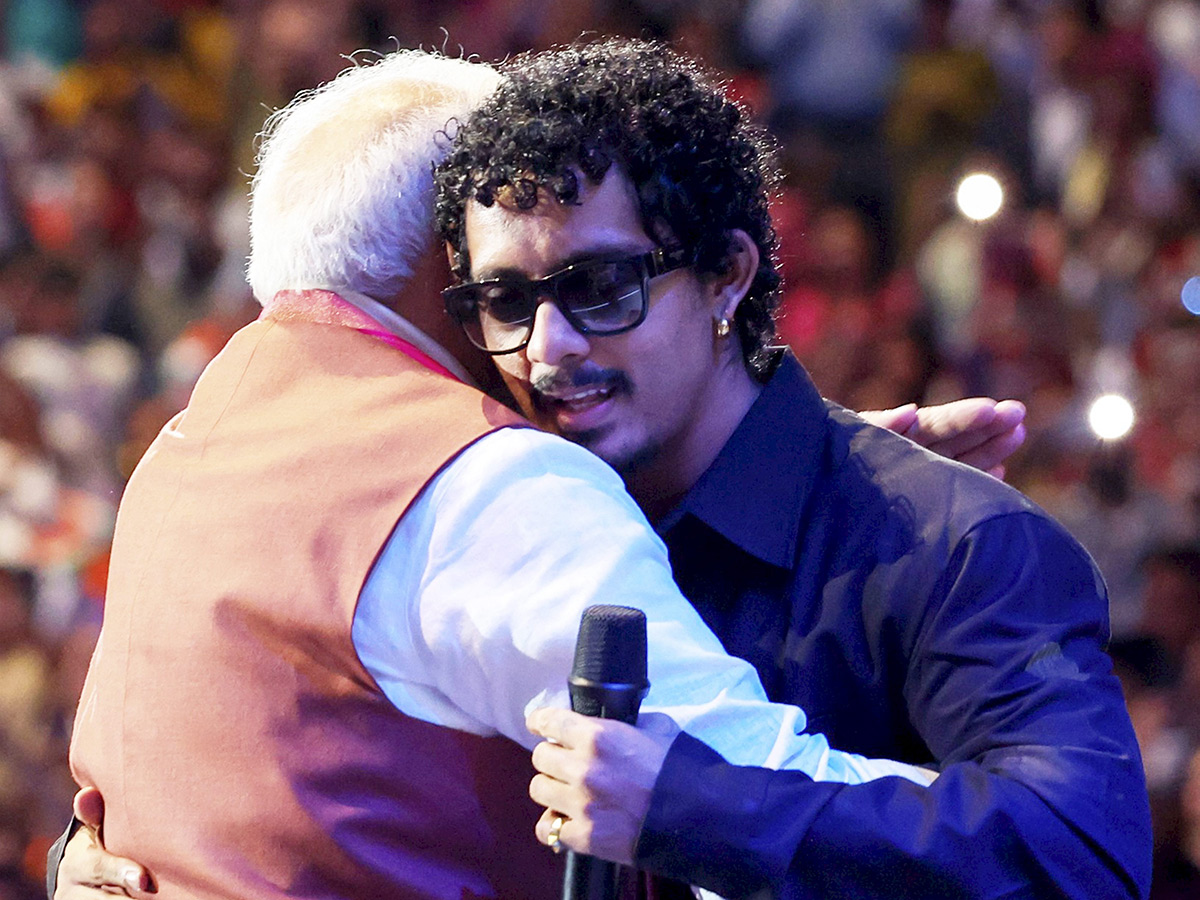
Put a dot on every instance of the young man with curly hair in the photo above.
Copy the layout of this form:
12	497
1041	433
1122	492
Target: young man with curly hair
607	211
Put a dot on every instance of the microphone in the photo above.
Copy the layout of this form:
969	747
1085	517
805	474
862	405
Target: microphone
608	681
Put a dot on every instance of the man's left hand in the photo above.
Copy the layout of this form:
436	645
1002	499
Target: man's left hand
597	774
88	871
979	431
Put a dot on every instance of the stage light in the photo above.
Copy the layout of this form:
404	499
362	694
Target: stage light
1191	295
979	196
1110	417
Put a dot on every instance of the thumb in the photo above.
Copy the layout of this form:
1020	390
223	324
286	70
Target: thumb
89	864
89	807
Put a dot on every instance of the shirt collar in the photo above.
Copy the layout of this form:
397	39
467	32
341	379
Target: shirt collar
755	491
392	321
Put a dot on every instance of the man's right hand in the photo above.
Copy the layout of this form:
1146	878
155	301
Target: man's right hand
88	871
596	776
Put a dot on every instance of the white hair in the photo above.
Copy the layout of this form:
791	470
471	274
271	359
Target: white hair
343	194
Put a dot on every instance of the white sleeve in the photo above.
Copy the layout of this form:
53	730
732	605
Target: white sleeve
470	616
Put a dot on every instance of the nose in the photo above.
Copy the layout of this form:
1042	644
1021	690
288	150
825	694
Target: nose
554	339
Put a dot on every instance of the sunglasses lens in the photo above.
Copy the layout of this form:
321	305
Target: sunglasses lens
496	316
604	297
601	297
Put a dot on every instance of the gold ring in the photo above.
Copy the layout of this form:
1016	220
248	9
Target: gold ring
552	839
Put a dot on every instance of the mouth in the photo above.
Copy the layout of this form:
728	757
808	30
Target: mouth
575	407
580	400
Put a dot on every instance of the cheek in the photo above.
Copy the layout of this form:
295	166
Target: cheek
676	350
515	375
512	367
664	373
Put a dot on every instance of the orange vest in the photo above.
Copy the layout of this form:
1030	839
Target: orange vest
242	748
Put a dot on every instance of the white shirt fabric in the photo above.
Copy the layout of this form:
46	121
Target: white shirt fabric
469	617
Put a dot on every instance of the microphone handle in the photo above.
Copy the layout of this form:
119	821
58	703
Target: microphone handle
587	877
590	878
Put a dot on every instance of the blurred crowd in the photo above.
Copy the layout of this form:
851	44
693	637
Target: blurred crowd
127	135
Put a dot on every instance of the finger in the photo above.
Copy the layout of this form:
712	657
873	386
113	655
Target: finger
961	446
552	794
86	863
562	726
1011	412
542	827
558	762
953	428
956	429
899	419
993	452
571	834
89	807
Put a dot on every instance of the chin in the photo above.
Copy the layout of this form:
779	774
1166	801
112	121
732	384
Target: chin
596	440
626	459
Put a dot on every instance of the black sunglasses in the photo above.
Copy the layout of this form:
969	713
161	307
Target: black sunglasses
600	296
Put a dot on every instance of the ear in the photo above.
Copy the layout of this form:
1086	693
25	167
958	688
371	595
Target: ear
452	256
729	286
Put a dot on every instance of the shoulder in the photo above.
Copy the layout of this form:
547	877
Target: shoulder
877	470
533	475
525	452
932	524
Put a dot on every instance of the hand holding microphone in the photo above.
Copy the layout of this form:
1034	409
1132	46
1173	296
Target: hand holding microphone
596	773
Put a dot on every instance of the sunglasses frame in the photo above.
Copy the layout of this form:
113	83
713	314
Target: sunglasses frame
650	264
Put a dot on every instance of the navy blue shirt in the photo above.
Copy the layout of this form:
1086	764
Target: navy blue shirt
920	610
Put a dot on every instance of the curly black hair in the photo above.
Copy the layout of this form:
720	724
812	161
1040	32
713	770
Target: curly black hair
699	166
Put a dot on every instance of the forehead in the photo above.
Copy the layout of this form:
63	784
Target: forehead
505	240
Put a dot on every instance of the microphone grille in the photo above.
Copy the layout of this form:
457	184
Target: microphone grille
611	647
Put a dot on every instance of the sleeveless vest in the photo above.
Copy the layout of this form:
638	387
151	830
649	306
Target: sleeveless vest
242	748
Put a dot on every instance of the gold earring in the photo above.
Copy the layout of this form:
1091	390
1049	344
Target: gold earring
721	327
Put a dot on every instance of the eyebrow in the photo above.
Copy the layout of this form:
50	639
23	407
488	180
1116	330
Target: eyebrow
509	273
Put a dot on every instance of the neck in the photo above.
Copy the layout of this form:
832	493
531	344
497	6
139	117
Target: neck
660	482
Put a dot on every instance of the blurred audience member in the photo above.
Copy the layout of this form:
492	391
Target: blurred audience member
25	685
1120	520
831	67
82	381
1149	677
1171	605
1177	869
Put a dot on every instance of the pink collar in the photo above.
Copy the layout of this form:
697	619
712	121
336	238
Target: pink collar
327	308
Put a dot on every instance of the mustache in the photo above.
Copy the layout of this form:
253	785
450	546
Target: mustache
558	380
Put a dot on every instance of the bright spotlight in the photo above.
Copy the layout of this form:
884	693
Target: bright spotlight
979	196
1191	295
1111	417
